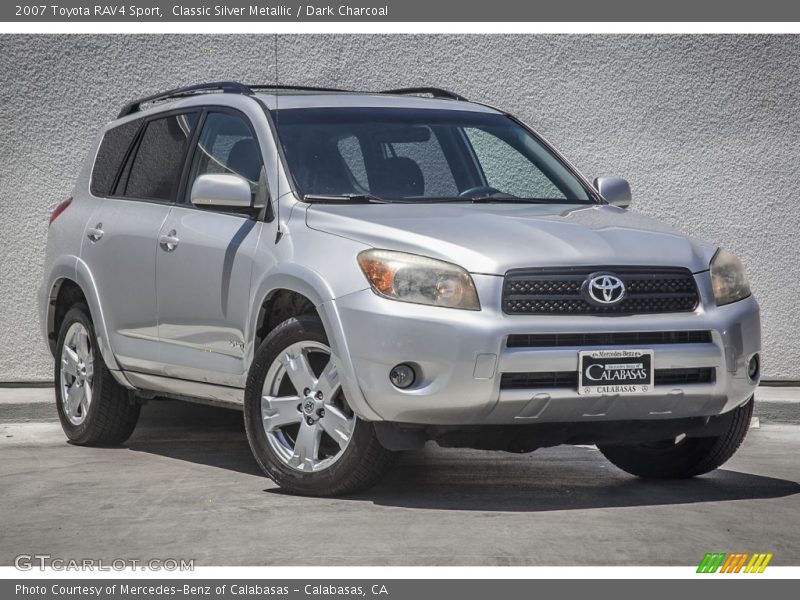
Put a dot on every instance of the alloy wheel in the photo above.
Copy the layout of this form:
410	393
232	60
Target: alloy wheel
77	373
305	415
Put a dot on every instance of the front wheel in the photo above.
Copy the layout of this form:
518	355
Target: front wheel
300	427
682	457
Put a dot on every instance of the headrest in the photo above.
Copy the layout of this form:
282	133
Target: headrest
398	177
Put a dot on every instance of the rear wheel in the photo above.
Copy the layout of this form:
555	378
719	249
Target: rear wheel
682	457
301	429
93	408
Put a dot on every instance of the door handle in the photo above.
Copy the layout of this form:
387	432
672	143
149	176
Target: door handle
95	233
169	242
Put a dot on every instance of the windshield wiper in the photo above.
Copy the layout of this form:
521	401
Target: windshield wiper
345	199
499	200
514	200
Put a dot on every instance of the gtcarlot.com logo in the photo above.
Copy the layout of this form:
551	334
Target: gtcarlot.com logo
736	562
29	562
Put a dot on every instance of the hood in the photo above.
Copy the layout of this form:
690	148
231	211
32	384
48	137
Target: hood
493	238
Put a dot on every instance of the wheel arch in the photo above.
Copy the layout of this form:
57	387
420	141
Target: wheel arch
62	271
305	284
68	286
291	282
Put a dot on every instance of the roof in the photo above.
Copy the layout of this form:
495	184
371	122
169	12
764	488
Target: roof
280	97
287	100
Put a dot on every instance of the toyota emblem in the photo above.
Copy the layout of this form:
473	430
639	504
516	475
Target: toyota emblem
604	289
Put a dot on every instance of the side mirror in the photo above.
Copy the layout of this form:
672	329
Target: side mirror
221	190
615	190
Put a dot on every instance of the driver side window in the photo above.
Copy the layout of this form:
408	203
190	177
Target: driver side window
227	145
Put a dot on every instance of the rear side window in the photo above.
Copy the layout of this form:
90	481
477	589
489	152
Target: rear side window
110	155
154	173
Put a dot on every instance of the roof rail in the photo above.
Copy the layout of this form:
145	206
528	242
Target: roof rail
226	87
433	91
234	87
300	88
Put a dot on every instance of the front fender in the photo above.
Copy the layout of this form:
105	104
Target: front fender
309	283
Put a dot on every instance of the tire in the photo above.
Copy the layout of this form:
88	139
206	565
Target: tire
104	415
686	458
310	444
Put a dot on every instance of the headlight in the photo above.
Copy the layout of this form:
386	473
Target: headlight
728	278
418	279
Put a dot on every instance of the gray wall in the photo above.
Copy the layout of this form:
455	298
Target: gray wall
706	128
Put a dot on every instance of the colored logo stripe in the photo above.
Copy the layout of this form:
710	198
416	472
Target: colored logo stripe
711	562
741	562
758	563
734	562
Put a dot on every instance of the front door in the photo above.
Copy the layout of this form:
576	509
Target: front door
204	263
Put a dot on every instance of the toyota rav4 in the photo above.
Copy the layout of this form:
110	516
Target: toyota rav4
362	273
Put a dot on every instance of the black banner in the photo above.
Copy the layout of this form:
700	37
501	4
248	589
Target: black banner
400	11
393	589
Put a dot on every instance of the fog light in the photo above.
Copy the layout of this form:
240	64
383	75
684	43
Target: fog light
753	367
402	376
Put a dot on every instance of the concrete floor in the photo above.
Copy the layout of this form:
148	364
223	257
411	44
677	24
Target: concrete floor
186	486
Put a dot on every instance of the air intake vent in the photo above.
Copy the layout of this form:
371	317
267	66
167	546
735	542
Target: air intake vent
625	338
569	379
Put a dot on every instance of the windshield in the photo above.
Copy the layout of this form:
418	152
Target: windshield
420	155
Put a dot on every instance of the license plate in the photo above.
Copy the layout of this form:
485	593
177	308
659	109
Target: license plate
615	372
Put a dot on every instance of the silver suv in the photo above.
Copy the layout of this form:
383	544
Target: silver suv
365	272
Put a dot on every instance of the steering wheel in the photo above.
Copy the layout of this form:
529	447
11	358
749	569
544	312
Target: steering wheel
479	191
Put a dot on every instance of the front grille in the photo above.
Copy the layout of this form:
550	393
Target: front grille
569	379
554	291
623	338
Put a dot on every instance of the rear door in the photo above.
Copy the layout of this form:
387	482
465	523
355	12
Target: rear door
204	263
122	237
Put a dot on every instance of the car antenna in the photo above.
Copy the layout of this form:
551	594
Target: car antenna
278	232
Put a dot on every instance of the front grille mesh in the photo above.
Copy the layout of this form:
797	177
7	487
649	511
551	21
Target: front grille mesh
558	291
569	379
621	338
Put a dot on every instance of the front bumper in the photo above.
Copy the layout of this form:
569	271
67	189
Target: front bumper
461	356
